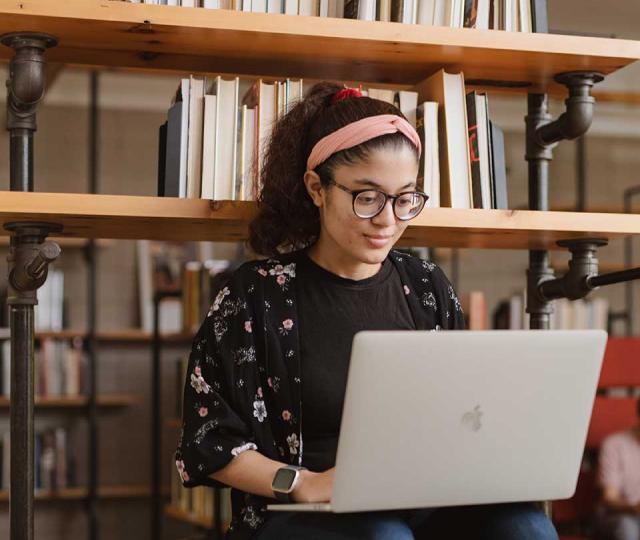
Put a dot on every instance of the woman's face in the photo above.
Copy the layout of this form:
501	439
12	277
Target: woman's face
353	238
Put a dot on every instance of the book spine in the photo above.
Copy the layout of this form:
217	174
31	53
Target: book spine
474	151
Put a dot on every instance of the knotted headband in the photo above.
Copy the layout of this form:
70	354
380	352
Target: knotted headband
358	132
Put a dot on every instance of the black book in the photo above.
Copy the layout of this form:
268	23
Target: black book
539	18
162	153
474	150
351	9
499	168
397	7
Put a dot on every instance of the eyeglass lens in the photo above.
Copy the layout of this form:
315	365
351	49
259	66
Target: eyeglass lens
370	203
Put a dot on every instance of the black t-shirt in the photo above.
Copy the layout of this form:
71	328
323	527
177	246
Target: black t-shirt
331	309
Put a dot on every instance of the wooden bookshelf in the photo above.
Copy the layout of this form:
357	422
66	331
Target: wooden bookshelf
108	33
80	493
76	402
117	216
66	242
188	517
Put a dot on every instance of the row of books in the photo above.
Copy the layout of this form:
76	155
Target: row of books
54	463
176	266
583	314
462	165
59	368
510	15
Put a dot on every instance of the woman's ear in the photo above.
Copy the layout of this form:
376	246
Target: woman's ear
314	187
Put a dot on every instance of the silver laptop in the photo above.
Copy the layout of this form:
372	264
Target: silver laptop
453	418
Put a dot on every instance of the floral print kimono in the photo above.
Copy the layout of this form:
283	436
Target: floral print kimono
243	384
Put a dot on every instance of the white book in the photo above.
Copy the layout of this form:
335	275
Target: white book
194	148
408	104
61	458
209	147
440	12
275	6
246	5
367	10
524	16
431	154
324	8
145	286
482	130
184	137
408	12
172	3
305	8
211	4
482	19
336	9
259	6
384	11
426	12
429	169
291	7
295	93
510	15
188	3
226	140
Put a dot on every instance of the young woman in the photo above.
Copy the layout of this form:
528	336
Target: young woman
267	372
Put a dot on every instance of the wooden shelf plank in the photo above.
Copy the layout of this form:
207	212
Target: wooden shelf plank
101	32
79	493
73	402
132	335
117	216
67	242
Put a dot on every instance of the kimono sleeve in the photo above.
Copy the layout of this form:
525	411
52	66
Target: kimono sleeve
451	314
213	431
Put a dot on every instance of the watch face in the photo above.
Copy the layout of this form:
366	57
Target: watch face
283	479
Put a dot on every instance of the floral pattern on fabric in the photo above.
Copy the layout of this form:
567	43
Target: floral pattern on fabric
242	390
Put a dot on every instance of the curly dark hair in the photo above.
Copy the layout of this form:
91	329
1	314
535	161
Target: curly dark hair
287	218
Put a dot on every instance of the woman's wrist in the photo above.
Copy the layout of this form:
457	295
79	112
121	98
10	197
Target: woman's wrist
304	486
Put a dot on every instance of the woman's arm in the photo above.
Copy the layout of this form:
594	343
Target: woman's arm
252	472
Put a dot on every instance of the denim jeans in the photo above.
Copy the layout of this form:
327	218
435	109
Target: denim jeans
520	521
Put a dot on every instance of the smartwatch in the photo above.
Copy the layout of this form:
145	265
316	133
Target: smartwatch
285	481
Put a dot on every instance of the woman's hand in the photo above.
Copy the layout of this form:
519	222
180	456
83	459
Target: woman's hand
314	487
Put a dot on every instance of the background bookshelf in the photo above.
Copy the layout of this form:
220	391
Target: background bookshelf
128	134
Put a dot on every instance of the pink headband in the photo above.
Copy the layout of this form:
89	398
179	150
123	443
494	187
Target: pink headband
358	132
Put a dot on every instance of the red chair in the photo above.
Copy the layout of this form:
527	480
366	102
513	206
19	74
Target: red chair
621	365
610	414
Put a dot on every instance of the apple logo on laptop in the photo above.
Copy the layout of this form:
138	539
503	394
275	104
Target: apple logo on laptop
472	418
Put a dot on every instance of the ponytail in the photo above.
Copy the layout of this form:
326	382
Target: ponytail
287	219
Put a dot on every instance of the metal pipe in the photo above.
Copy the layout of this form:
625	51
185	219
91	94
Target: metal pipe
629	301
28	266
90	343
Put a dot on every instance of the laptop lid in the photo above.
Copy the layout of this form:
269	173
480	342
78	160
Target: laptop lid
452	418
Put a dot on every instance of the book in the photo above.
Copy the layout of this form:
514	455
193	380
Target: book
173	149
499	168
539	17
429	168
482	123
162	150
226	92
474	151
447	89
209	138
425	13
194	145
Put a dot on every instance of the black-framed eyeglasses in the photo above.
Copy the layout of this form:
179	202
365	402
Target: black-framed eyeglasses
368	203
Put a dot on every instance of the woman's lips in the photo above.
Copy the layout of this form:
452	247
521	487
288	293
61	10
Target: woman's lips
377	241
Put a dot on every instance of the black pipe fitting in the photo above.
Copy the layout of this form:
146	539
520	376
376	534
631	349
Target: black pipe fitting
579	109
26	83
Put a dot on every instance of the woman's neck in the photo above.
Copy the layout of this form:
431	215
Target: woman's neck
336	261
